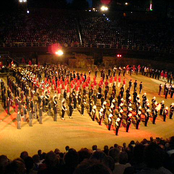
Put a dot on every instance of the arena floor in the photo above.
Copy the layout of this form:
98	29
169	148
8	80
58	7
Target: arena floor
78	132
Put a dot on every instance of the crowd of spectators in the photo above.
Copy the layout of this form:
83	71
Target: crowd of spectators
44	27
123	33
148	156
39	27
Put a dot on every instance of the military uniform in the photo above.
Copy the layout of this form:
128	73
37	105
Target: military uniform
165	113
40	115
171	110
128	121
63	110
155	114
24	113
100	116
30	118
94	112
117	125
138	119
110	121
162	108
18	120
147	115
70	109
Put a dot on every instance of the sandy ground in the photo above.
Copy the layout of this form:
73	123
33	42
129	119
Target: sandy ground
78	132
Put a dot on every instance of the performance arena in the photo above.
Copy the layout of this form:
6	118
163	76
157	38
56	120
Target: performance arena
86	91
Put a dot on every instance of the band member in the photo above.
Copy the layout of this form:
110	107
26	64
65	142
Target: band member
153	102
83	106
8	106
31	105
18	120
147	115
165	113
135	85
49	108
171	110
30	118
79	98
160	89
16	104
162	108
104	109
24	113
117	125
138	119
135	96
172	91
63	109
94	112
155	114
65	94
75	101
130	84
43	104
70	109
90	107
100	116
40	115
140	87
144	100
55	103
110	121
128	121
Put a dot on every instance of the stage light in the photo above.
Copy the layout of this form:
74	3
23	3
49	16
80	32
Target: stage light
28	11
22	1
119	55
59	52
126	3
104	8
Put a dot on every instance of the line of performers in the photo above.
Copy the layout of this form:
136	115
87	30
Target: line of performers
101	102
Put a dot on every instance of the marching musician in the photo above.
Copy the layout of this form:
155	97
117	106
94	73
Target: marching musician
18	120
46	97
171	110
155	114
144	100
70	109
162	107
40	115
55	103
30	118
117	125
90	107
83	103
63	109
128	121
138	119
94	112
165	113
110	121
100	116
24	112
147	115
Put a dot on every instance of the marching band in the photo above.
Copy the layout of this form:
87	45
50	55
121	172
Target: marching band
32	93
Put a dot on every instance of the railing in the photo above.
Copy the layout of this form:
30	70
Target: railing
134	47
